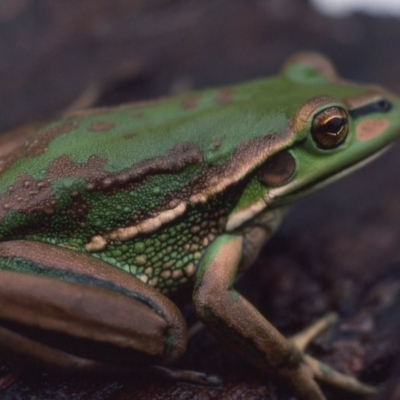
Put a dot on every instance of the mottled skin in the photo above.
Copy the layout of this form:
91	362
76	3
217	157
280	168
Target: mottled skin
105	209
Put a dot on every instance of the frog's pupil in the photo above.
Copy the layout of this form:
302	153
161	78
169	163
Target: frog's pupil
334	125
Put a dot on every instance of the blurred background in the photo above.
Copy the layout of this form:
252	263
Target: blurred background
337	250
51	51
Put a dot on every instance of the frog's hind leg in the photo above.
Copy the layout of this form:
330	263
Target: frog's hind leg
322	371
67	309
302	339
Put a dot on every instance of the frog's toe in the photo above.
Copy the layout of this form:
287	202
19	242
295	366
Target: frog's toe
322	371
325	373
302	339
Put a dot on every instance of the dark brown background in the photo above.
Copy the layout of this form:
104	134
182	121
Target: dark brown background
337	250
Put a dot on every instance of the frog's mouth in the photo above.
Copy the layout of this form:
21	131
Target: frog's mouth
291	191
284	195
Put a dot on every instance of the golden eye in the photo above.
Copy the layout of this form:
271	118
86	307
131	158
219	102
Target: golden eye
330	127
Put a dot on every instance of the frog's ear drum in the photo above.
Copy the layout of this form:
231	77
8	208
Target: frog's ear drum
309	66
278	170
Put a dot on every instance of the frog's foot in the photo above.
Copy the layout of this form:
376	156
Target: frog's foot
324	372
183	375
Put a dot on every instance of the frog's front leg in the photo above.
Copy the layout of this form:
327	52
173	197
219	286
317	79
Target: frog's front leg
233	318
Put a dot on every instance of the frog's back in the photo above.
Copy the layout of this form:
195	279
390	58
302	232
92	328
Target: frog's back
116	149
111	181
67	201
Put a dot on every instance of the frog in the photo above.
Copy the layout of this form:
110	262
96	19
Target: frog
107	213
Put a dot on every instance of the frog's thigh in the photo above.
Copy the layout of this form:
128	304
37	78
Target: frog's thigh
233	318
66	308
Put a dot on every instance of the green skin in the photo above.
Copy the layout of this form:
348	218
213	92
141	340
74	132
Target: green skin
103	211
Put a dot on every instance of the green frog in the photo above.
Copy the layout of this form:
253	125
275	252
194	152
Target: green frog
106	212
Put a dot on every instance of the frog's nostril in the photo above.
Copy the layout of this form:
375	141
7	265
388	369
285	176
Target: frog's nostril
383	105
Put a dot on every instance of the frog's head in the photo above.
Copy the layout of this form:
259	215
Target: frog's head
335	127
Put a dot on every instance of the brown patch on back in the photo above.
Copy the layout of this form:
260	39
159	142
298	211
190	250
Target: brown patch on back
191	102
64	167
36	145
101	126
217	143
224	96
28	195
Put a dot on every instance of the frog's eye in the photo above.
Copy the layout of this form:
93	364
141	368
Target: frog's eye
330	127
